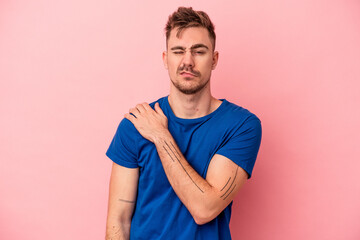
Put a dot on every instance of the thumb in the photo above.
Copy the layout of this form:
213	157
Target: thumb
158	109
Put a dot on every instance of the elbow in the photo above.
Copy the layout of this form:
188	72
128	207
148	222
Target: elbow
201	221
204	216
206	210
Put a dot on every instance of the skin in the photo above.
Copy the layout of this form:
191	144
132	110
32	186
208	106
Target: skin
200	60
189	59
122	196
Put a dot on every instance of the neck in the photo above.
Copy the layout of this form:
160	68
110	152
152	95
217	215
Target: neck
194	105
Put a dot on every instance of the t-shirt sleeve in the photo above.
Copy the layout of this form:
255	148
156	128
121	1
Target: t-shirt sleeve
123	147
243	146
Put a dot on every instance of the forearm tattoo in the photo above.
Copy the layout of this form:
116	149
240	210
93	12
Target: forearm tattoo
231	188
175	155
127	201
168	154
114	233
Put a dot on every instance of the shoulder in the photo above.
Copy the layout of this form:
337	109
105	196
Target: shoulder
238	115
128	128
161	101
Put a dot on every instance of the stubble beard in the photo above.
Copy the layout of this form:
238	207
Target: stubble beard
190	90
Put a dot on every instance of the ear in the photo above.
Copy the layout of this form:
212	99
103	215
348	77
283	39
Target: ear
215	60
164	57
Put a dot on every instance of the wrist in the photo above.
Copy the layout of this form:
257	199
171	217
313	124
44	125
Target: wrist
159	138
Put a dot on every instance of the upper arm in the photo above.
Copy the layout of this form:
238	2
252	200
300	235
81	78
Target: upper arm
122	192
226	178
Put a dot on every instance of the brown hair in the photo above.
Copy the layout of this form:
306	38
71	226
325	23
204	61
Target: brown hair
185	18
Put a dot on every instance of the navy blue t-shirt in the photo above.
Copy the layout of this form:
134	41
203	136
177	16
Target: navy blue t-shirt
230	130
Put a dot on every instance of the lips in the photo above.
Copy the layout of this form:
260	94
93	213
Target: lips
187	74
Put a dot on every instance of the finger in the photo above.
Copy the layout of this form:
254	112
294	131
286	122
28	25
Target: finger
140	108
146	106
134	111
158	109
130	117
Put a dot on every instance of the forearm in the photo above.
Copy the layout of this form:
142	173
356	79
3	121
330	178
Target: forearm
122	198
194	191
117	230
204	198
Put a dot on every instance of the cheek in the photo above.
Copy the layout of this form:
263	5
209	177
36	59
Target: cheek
207	65
210	62
172	67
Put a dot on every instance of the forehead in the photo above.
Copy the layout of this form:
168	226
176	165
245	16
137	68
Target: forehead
189	37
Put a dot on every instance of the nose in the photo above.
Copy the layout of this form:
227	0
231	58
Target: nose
188	59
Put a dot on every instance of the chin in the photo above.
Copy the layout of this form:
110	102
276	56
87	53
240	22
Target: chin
190	88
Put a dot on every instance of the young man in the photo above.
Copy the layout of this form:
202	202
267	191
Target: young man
179	162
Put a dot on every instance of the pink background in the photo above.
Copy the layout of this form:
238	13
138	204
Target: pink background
69	70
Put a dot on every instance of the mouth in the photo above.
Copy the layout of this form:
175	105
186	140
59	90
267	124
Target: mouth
187	74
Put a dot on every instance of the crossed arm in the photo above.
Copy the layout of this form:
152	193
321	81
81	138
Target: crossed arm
204	198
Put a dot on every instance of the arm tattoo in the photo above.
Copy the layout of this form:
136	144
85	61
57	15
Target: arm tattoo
117	231
169	154
230	191
127	201
231	186
114	235
173	150
226	183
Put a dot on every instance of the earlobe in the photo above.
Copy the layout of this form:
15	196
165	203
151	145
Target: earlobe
164	57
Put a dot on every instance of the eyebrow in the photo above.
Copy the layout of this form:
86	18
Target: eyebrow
199	45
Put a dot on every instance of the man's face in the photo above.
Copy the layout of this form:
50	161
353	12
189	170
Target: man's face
190	59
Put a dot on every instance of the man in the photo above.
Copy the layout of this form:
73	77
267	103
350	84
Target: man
179	162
